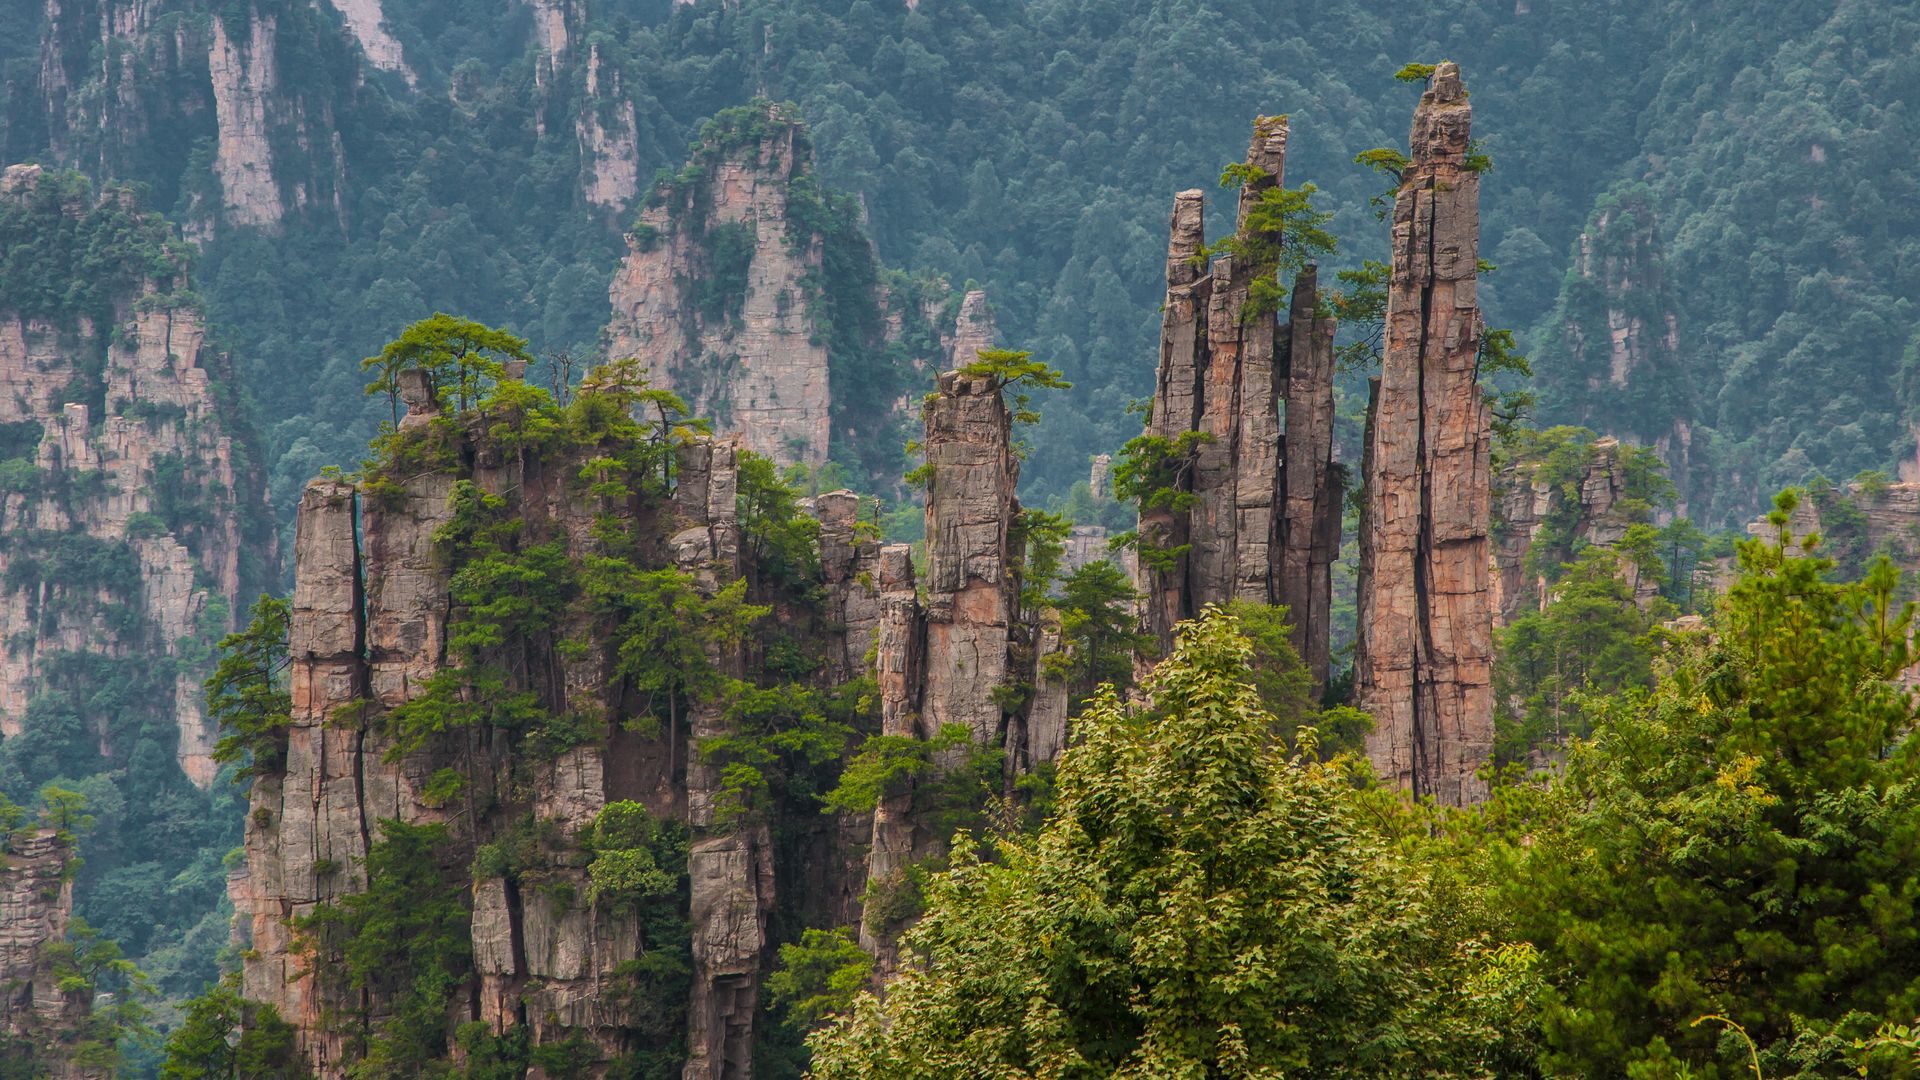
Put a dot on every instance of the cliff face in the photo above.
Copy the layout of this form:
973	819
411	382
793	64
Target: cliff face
1424	658
36	903
754	294
968	658
713	295
133	522
591	714
1253	502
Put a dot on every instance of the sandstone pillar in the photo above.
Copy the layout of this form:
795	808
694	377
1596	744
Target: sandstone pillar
1426	631
1310	539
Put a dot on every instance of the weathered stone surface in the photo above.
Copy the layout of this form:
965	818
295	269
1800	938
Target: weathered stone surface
36	903
1526	503
101	479
1218	376
971	602
1176	404
1314	495
245	77
761	373
1423	666
1236	473
973	331
367	22
609	133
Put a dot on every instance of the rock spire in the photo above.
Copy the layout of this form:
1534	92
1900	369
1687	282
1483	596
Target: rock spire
1424	660
1251	504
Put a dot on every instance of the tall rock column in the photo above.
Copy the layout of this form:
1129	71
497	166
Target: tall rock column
1424	665
1176	403
1236	475
731	866
36	904
1310	517
899	647
970	593
307	837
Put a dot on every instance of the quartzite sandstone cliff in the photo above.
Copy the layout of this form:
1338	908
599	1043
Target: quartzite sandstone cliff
1423	663
374	617
1259	512
37	1017
132	526
754	294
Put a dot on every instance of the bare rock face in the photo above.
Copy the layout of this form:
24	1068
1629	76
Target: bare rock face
1423	666
245	77
609	134
36	903
1313	487
745	351
367	21
1229	372
971	599
1237	473
111	473
973	331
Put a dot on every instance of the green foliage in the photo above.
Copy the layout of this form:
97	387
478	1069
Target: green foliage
405	942
1183	823
779	539
887	765
1590	641
1016	371
819	975
637	859
89	969
1416	72
68	254
226	1037
1040	541
719	293
247	693
460	358
1280	235
1098	626
1155	473
1760	795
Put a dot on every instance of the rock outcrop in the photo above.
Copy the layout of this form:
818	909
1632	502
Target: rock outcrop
1251	503
968	656
712	297
36	904
754	295
1423	665
1616	362
1540	519
133	524
380	624
1313	485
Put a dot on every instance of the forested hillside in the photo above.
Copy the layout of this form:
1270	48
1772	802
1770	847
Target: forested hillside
1034	147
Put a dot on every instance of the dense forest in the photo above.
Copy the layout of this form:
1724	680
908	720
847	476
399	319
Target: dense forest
1699	857
1033	147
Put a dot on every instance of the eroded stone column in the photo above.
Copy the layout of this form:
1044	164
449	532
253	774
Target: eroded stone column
1426	629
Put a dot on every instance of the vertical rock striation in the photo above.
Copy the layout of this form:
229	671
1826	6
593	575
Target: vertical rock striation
1236	474
1423	666
712	295
972	600
1253	504
1313	488
36	903
141	471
